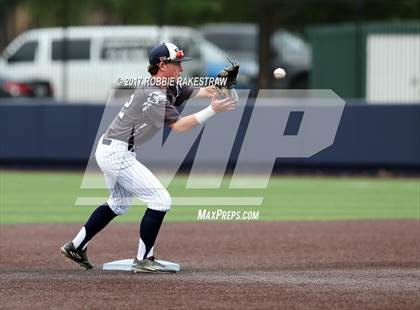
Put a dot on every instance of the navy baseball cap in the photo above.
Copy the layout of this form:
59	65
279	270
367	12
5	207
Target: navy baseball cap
166	52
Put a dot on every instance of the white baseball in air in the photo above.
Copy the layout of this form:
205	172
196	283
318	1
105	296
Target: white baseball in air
279	73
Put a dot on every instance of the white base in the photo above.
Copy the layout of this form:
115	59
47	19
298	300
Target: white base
125	265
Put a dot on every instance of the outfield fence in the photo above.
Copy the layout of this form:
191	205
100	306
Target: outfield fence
36	131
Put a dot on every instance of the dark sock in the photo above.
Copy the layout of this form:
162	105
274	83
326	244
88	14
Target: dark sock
97	221
149	228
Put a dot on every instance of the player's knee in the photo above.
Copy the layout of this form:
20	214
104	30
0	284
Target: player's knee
166	201
119	208
163	202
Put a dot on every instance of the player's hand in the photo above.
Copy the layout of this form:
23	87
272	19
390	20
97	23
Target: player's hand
206	92
210	91
222	105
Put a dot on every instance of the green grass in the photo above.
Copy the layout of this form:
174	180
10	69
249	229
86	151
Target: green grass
49	197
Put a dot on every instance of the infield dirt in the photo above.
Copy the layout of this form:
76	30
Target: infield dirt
235	265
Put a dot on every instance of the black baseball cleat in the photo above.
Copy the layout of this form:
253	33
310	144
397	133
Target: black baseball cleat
149	265
78	256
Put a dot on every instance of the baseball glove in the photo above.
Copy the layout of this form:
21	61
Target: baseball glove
229	73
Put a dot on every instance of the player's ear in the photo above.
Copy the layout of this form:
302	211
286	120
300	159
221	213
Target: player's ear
162	66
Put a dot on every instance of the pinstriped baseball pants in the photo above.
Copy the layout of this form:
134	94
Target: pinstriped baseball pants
127	178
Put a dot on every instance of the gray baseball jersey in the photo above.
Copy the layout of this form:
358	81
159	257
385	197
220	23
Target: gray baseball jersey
146	111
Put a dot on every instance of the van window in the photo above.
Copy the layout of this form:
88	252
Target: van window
25	53
234	42
126	49
76	49
188	45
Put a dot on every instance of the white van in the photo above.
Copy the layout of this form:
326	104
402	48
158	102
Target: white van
96	57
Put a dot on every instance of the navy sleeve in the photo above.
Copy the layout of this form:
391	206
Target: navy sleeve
183	94
171	115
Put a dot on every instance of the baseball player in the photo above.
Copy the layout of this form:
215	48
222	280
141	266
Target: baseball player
144	113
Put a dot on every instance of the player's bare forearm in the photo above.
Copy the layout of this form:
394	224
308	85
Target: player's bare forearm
185	123
217	105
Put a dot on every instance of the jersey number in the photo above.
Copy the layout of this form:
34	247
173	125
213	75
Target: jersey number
126	106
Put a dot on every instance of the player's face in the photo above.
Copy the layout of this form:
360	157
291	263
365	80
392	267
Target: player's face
174	69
